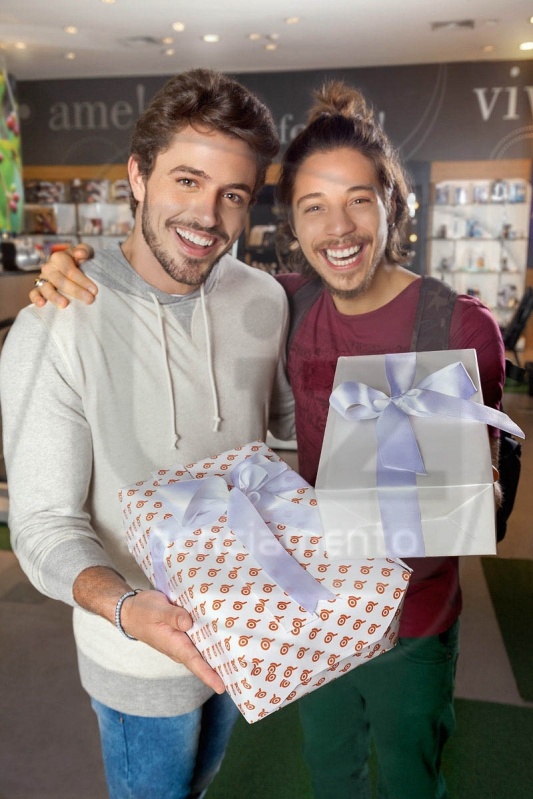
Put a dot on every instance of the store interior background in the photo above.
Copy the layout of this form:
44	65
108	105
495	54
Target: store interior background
455	94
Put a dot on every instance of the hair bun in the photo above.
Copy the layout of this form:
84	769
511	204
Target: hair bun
335	98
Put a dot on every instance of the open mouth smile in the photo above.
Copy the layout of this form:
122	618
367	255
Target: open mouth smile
343	257
195	241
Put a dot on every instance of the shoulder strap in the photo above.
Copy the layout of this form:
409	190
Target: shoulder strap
433	316
299	304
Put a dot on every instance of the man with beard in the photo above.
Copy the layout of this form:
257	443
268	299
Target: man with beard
343	194
179	357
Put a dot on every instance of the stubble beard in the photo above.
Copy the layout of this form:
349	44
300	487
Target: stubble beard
188	271
363	287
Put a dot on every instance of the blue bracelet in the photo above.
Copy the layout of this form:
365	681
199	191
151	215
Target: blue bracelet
118	623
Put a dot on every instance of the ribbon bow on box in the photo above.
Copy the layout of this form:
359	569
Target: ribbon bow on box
256	497
446	392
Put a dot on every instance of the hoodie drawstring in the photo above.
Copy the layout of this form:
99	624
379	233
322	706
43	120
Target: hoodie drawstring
212	382
170	391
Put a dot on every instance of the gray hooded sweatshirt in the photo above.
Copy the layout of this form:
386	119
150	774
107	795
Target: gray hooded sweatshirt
95	398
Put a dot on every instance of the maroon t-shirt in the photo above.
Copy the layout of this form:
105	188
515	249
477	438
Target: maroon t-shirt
433	599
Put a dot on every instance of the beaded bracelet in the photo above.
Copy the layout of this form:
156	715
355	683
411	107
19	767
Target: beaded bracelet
118	623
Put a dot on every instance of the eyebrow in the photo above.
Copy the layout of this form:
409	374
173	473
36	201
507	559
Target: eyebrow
199	173
316	195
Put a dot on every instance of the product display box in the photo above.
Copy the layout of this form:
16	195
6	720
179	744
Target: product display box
236	539
402	478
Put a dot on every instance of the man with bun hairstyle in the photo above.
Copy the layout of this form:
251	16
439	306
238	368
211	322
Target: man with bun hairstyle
343	194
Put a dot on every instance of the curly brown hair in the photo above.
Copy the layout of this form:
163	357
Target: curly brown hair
205	99
339	118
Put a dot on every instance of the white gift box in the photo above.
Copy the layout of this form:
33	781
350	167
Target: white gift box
268	649
369	506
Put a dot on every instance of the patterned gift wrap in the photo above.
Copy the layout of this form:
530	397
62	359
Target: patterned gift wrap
268	647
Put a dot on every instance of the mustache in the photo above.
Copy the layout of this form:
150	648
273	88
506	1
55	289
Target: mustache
207	231
338	244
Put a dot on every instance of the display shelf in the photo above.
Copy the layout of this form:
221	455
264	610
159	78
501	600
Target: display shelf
478	239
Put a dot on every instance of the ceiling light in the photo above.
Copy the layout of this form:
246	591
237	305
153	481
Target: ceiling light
109	2
20	45
292	20
70	56
254	36
488	48
273	36
70	29
531	20
167	40
526	46
179	27
514	72
271	46
169	51
211	38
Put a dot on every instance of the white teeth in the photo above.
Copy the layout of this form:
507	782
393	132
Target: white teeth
343	257
194	238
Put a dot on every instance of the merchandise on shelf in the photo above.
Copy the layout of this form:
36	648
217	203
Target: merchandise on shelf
481	227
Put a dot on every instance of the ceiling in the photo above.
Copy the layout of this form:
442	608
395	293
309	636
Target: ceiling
124	38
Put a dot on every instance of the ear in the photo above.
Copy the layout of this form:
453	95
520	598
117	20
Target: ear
137	184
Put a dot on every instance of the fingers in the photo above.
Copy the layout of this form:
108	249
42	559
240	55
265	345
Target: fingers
151	618
61	274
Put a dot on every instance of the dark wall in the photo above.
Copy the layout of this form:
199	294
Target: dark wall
436	112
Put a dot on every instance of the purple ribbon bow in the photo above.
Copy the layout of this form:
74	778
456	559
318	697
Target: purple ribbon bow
446	392
197	503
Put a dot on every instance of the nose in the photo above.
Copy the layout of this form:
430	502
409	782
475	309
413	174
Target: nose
206	209
340	222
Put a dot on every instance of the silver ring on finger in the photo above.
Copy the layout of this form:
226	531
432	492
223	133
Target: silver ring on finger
40	281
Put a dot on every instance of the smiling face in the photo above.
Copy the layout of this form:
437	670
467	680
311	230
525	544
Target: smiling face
340	220
192	208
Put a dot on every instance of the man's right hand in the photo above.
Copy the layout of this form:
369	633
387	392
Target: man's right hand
62	273
151	617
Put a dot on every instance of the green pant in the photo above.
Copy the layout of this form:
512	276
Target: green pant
404	701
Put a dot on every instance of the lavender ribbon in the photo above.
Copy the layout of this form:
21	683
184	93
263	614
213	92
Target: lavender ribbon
197	503
446	392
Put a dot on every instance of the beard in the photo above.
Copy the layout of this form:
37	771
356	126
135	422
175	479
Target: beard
189	271
364	285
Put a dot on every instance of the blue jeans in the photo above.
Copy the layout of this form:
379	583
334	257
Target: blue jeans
164	758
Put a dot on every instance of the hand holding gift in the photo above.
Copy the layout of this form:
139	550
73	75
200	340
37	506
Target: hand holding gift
237	541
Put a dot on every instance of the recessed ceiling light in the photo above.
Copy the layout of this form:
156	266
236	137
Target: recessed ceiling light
109	2
271	46
70	56
254	36
514	72
488	48
179	27
20	45
169	51
273	36
292	20
531	20
70	29
526	46
167	40
211	38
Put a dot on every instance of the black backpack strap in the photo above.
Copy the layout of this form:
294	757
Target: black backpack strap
299	304
434	315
